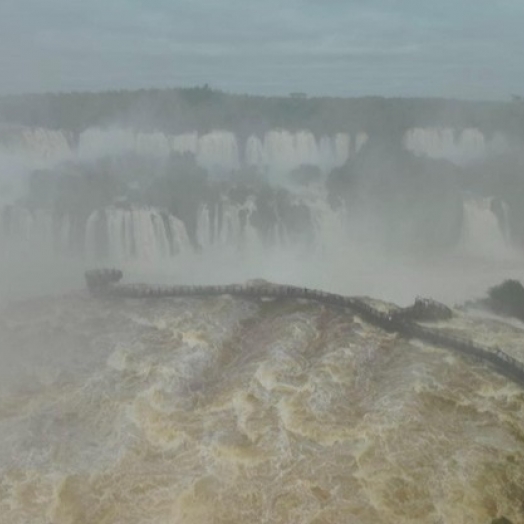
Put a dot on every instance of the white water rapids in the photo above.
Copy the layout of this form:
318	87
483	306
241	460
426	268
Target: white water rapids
225	410
220	410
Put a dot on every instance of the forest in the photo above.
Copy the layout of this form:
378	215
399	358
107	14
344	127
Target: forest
202	109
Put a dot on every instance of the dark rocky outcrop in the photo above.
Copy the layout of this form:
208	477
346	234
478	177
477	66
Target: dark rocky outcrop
426	309
501	520
507	299
98	280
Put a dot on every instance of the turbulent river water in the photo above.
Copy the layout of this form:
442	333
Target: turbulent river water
228	410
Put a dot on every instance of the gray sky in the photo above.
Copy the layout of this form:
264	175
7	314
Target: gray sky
451	48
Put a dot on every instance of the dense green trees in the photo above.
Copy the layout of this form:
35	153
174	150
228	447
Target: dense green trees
507	299
417	202
176	185
203	109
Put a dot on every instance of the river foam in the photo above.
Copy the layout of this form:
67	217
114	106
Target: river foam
231	410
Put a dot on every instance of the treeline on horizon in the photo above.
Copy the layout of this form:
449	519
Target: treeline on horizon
203	109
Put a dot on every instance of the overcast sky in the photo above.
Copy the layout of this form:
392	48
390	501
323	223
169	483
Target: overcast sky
451	48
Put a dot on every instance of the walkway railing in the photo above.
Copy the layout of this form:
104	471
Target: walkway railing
403	321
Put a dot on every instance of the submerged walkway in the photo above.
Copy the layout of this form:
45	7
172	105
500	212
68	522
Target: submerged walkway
402	321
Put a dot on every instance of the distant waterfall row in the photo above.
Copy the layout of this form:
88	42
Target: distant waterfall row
276	151
459	146
141	234
150	235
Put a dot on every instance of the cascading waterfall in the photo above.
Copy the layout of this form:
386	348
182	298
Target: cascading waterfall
228	225
451	144
501	210
25	149
484	234
34	142
329	225
282	151
142	234
118	235
278	150
27	232
218	151
149	235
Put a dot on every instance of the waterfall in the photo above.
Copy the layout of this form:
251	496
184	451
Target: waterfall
35	142
149	236
451	144
30	232
484	233
24	149
330	228
185	143
281	151
220	150
141	234
278	151
114	234
228	225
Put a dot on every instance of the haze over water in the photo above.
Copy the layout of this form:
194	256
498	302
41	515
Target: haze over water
227	409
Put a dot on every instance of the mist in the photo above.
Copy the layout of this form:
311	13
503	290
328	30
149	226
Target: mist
367	149
393	214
